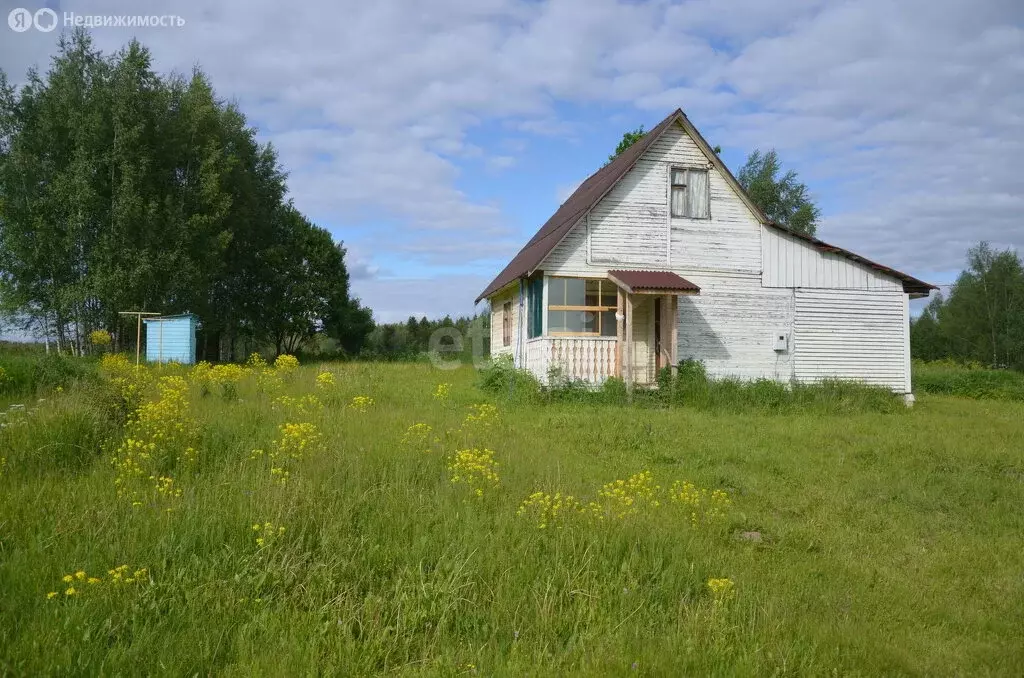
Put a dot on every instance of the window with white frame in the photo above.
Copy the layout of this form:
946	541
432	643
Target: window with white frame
690	196
582	307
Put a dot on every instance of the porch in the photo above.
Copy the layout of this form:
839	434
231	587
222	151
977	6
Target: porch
645	340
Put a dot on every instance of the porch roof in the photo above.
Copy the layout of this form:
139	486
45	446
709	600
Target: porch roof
652	282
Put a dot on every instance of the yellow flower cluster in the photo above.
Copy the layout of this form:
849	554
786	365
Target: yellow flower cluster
548	510
475	469
3	464
296	441
722	590
442	391
165	487
267	533
256	361
115	363
483	415
325	380
100	338
227	373
224	376
130	380
704	506
306	404
620	499
156	437
360	403
269	380
286	363
118	576
3	377
420	438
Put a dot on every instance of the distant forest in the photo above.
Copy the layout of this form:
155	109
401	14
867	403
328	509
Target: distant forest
981	319
411	340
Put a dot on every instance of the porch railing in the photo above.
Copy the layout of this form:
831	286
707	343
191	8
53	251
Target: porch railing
591	359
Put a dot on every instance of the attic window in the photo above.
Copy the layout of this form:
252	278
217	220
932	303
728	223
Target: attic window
690	197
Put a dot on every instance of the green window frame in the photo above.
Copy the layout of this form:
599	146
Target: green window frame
535	307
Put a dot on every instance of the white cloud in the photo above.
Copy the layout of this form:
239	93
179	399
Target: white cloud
395	299
911	111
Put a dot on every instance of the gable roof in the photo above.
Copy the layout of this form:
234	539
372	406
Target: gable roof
597	185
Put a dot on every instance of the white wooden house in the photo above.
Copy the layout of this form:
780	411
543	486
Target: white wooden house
661	255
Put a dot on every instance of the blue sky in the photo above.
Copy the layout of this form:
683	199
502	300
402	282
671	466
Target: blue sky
434	139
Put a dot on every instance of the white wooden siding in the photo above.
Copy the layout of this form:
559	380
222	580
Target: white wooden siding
630	227
731	239
643	339
497	303
789	261
852	334
731	326
569	257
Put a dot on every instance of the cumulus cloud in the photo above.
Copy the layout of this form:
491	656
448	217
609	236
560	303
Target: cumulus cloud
905	118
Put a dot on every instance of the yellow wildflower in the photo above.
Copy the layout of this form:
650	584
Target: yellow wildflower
286	363
475	469
722	590
360	403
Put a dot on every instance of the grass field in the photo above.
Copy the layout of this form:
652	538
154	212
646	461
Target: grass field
890	543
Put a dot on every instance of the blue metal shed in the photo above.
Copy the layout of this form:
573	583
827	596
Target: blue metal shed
171	338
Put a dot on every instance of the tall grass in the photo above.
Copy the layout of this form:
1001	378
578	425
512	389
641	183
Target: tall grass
967	380
26	372
691	387
884	544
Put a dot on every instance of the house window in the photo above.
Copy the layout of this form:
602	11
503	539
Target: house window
690	193
535	306
506	324
581	307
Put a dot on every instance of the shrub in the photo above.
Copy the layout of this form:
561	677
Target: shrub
500	376
100	338
27	373
691	387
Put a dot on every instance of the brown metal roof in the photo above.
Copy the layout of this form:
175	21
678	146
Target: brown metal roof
582	199
603	180
652	280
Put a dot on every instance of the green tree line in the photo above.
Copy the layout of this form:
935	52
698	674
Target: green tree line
414	338
981	319
123	189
